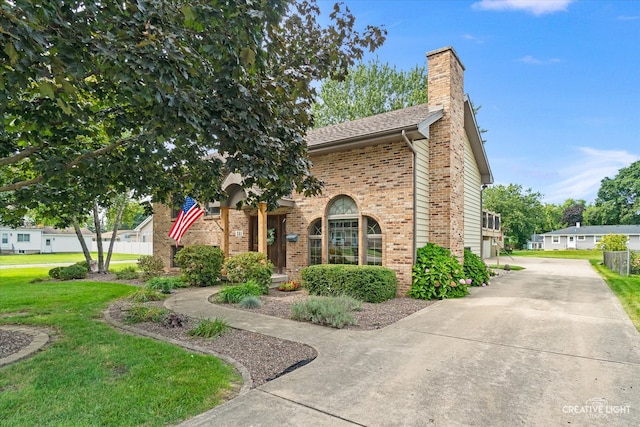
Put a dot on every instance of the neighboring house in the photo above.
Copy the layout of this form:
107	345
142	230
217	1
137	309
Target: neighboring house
33	240
144	231
535	242
492	240
393	183
587	237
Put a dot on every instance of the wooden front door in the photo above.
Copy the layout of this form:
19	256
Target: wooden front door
276	250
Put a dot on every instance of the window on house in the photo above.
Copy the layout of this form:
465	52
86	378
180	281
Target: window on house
555	239
597	238
175	212
343	231
315	242
581	238
5	238
373	241
174	252
213	210
47	242
24	237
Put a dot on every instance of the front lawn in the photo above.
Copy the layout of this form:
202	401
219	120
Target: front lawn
92	374
69	258
594	254
627	289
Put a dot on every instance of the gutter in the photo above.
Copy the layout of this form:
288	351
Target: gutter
415	202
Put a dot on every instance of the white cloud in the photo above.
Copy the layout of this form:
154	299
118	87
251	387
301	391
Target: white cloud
581	175
537	7
628	18
472	38
528	59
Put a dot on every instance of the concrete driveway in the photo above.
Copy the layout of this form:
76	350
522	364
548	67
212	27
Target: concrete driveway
546	346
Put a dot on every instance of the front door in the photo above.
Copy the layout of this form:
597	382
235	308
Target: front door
571	242
276	240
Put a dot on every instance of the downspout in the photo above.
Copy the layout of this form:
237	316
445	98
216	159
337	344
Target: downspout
415	225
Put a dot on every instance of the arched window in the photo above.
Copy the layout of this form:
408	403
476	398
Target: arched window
373	241
343	231
315	242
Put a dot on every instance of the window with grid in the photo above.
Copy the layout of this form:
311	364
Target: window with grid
343	231
373	241
24	237
315	242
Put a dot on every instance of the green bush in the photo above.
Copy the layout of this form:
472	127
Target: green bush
437	275
368	283
165	284
475	269
126	273
235	293
635	263
141	313
146	295
72	272
613	243
83	264
330	311
151	266
55	272
250	266
200	264
209	328
250	301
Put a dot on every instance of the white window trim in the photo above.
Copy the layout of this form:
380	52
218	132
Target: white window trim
555	240
581	238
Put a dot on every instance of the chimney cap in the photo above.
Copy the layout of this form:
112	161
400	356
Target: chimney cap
444	49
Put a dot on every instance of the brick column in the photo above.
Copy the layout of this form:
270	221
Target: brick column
445	79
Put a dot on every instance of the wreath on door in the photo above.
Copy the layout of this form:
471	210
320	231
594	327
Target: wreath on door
271	236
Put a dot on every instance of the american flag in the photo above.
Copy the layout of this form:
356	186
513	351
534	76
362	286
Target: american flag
188	215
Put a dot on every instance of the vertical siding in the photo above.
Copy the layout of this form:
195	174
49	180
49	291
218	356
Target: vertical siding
422	192
472	201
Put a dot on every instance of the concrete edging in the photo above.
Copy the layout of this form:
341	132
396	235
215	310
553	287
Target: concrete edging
40	339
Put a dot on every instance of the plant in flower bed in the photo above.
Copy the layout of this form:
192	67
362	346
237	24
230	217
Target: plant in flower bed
235	293
329	311
250	301
126	273
368	283
200	264
150	265
207	328
250	266
146	295
475	269
437	274
289	286
166	284
141	313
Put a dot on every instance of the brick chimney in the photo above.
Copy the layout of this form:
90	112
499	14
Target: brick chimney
445	86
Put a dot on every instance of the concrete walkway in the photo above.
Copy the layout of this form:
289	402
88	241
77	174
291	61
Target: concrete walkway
546	346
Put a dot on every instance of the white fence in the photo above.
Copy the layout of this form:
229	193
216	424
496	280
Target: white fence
138	248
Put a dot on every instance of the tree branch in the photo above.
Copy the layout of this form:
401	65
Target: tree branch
19	156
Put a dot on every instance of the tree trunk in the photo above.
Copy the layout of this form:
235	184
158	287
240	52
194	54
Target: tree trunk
114	235
85	250
96	223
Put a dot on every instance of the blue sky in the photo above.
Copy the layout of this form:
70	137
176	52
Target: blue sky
558	81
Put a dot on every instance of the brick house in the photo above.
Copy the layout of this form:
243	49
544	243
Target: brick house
393	182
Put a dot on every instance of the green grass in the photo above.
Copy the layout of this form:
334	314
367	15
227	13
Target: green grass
67	258
501	267
92	374
627	289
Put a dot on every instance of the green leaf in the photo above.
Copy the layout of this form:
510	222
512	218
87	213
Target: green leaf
10	50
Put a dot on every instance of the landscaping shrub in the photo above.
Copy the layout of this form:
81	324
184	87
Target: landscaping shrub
330	311
250	266
83	264
635	263
151	266
289	286
140	313
613	243
146	295
368	283
235	293
74	271
437	274
475	269
209	328
200	264
250	301
165	284
55	272
127	273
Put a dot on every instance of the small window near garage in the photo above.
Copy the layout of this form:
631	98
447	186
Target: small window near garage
555	239
581	238
24	237
315	242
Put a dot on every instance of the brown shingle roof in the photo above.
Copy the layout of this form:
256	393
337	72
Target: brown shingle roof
369	126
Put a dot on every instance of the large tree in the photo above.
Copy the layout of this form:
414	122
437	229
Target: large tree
164	97
618	200
573	212
369	88
521	211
